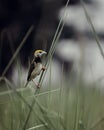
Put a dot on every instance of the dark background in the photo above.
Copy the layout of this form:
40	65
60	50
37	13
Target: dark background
16	17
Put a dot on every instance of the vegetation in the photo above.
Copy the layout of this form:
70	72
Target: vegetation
65	106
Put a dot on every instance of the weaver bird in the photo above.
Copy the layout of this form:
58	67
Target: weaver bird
36	66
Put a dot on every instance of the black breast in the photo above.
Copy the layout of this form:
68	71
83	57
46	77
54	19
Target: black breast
37	60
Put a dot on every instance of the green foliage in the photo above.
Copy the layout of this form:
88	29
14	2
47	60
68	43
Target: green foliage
65	108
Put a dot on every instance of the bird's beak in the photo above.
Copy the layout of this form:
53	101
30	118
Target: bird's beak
44	52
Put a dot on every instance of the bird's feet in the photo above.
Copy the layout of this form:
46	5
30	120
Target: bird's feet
44	68
38	85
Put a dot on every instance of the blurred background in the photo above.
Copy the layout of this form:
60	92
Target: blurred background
69	98
76	49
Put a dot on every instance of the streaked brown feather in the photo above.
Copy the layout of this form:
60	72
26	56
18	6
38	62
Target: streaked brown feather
36	61
32	66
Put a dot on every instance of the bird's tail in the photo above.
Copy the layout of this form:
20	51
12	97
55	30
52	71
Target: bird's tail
26	84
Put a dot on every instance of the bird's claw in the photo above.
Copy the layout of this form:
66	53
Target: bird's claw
44	68
38	85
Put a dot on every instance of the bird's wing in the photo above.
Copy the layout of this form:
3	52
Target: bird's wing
32	66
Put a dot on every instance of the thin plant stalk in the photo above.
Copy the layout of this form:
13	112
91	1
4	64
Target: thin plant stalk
93	29
10	85
18	50
60	100
47	63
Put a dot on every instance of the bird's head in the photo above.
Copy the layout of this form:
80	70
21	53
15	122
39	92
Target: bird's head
39	53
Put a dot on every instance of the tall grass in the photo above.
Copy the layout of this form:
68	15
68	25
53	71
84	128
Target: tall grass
70	107
67	107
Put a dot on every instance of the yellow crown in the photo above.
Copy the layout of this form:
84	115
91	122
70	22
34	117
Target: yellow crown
38	51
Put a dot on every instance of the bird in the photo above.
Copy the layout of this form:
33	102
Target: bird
35	67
